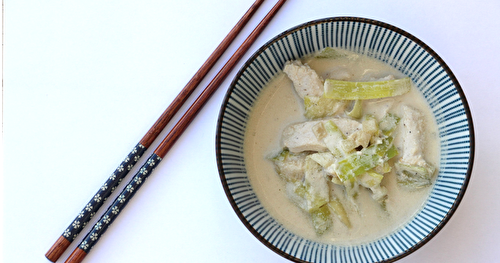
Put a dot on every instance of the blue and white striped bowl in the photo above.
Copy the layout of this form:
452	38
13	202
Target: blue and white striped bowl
393	46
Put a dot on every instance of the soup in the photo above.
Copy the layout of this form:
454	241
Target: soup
281	106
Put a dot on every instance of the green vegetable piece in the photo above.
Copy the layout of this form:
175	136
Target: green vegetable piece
414	176
305	196
370	124
321	219
334	138
392	152
332	129
351	188
349	90
320	107
316	185
357	110
388	124
338	209
300	190
329	52
358	163
289	165
325	159
384	167
296	192
371	179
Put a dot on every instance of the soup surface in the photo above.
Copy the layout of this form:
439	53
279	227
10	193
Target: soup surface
279	106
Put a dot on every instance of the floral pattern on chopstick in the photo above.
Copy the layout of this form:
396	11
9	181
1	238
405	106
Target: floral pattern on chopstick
119	203
104	192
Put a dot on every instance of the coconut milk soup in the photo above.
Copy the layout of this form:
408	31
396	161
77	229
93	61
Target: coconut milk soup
279	106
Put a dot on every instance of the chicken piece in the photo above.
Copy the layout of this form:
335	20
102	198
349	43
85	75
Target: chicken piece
413	140
412	170
316	183
300	137
305	80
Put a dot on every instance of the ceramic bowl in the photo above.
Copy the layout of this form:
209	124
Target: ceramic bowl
385	42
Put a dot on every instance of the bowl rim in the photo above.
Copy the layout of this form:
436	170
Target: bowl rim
398	30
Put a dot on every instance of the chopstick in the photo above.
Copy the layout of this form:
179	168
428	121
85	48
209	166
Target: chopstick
114	180
159	153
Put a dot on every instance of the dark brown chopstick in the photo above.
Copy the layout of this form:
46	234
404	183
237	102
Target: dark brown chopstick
96	202
133	186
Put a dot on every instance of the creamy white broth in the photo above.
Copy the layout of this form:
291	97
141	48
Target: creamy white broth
278	106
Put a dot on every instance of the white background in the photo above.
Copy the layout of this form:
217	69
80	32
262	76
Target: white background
84	80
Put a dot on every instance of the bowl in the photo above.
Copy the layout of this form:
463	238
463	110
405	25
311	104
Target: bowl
432	77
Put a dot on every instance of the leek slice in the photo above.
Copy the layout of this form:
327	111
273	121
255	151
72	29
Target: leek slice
338	209
414	176
383	168
372	180
357	110
388	124
329	52
289	166
325	159
349	90
321	219
359	162
316	185
370	124
334	139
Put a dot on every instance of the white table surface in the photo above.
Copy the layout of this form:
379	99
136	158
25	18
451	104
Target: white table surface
84	80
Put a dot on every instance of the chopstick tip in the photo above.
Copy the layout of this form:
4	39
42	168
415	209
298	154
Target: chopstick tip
57	249
77	256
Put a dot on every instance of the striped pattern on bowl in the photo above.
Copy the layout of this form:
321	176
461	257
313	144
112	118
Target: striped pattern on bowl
387	43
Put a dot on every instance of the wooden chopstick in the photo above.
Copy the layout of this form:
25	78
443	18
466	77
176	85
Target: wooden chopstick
114	210
107	188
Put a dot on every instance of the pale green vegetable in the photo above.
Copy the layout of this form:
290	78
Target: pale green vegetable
316	185
392	152
370	124
321	219
389	123
302	195
325	159
383	168
370	179
333	139
296	192
362	137
357	110
351	188
338	209
350	90
290	166
356	139
414	176
329	52
320	107
373	180
357	163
